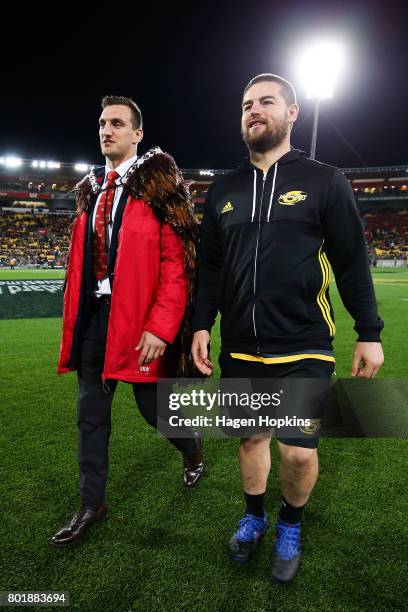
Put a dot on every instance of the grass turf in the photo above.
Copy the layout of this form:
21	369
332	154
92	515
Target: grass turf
30	273
164	547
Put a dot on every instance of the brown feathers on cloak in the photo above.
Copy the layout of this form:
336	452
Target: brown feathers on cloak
156	179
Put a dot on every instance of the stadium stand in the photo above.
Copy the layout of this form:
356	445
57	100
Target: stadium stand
33	239
37	206
387	233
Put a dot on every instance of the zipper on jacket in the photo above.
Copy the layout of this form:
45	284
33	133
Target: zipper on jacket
257	242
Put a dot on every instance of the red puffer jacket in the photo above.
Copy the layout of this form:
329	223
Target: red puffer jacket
149	293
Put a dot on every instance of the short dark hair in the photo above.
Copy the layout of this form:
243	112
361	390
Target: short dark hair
287	90
137	121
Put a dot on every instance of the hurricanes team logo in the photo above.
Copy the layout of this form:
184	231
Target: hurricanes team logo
292	197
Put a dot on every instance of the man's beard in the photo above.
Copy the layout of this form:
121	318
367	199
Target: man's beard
268	139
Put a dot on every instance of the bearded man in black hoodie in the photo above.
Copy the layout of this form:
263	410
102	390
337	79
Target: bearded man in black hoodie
271	230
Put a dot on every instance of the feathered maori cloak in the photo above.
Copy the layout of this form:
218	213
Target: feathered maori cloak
156	179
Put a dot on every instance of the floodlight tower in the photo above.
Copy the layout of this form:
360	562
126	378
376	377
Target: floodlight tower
319	69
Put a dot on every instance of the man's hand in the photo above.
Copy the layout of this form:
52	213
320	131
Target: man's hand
199	351
367	359
151	347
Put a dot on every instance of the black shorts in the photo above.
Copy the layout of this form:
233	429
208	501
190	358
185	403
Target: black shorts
305	396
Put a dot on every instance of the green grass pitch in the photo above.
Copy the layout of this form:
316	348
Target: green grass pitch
164	547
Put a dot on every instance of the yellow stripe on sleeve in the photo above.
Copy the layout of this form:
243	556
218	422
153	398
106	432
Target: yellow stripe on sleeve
322	298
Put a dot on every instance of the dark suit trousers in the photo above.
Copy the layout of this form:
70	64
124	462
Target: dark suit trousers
94	409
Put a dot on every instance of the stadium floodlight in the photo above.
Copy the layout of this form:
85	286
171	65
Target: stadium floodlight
13	162
81	167
2	161
319	69
34	164
53	165
206	173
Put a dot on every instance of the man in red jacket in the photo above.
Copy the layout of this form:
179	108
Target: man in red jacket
132	251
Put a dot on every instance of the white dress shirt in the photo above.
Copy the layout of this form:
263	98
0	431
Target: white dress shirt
104	285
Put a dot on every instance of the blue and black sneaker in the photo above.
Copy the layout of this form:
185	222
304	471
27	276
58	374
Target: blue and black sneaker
245	540
287	552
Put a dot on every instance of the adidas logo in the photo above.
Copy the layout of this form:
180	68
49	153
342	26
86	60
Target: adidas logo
227	208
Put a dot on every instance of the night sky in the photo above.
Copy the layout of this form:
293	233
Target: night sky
186	66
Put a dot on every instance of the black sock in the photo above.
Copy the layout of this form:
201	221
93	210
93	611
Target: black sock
255	504
290	514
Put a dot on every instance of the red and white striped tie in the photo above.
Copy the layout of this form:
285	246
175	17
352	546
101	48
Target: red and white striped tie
100	259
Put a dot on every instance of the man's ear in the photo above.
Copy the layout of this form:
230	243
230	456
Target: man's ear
137	136
293	113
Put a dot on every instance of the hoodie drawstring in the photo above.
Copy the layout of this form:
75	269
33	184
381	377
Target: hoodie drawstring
272	192
254	199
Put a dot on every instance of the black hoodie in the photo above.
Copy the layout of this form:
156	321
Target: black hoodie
264	252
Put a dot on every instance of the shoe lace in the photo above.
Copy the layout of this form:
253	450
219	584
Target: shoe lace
247	527
288	540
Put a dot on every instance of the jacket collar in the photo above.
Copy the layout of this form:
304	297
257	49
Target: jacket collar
97	175
290	156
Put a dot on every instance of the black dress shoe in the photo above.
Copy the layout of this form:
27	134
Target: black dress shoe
193	466
77	528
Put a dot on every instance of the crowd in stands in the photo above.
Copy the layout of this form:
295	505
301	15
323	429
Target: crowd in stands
34	239
387	234
39	185
42	240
